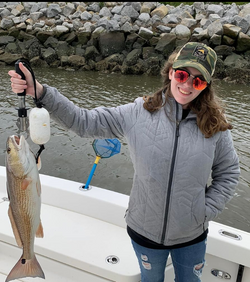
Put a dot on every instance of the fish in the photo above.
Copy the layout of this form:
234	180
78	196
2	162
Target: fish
24	193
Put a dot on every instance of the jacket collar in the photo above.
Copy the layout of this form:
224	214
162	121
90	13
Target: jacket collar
175	108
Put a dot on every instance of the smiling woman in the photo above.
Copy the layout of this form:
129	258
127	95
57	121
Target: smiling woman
199	60
173	154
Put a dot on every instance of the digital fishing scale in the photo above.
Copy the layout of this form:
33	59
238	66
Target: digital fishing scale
37	126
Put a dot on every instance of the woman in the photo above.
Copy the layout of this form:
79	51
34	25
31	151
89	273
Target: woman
178	138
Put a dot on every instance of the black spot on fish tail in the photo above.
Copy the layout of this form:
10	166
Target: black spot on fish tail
23	261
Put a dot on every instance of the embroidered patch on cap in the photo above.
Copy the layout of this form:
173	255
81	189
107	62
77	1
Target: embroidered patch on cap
200	52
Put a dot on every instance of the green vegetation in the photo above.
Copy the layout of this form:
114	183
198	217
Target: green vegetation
175	4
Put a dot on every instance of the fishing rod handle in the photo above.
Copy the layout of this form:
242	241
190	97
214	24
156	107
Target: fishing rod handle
17	69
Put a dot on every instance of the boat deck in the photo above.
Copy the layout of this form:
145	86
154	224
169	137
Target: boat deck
74	241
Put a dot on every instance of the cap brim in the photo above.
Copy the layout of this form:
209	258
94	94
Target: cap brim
199	67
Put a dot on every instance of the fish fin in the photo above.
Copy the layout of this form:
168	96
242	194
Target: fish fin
39	163
25	183
26	268
38	188
14	228
39	232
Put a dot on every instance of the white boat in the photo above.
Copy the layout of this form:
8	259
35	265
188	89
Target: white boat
85	239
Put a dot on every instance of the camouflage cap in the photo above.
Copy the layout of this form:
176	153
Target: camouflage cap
199	56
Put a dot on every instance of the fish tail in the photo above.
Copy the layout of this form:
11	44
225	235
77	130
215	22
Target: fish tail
26	268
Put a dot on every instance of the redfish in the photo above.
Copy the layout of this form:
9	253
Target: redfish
24	192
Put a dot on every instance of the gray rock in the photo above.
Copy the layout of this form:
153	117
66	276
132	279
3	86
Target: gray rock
199	7
145	33
181	31
35	16
63	49
6	23
215	40
89	27
147	7
113	25
83	36
215	9
76	61
136	6
235	60
4	13
18	20
164	29
96	33
245	11
105	12
42	36
117	9
95	7
51	41
215	28
172	19
53	10
243	43
214	17
4	40
233	11
166	44
49	55
224	50
130	12
241	22
189	22
76	15
103	22
60	30
231	30
12	48
85	16
91	52
9	58
68	9
111	43
144	17
133	57
35	8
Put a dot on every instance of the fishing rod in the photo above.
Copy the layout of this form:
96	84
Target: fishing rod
37	126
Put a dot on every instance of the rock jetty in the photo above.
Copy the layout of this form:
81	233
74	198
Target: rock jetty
126	37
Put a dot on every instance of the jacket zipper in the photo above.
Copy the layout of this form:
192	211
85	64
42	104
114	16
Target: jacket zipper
177	134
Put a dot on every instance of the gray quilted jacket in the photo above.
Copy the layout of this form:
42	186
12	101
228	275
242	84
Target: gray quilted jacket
170	202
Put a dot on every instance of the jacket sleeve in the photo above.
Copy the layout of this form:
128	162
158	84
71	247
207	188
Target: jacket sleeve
100	122
225	176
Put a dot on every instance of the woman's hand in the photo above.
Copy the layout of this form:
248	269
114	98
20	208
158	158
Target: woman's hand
18	84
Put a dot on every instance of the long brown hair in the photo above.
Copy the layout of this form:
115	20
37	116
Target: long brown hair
207	105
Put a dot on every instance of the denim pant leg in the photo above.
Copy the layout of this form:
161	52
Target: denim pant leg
152	263
188	262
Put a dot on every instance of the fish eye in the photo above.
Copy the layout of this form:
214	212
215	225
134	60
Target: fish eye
8	150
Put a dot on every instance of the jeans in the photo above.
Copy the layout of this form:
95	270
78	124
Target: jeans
188	262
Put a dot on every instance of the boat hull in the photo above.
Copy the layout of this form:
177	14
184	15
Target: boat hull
85	238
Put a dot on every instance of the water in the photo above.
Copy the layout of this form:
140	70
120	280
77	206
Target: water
66	155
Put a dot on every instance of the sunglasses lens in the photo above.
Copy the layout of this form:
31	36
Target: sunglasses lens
181	76
199	84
